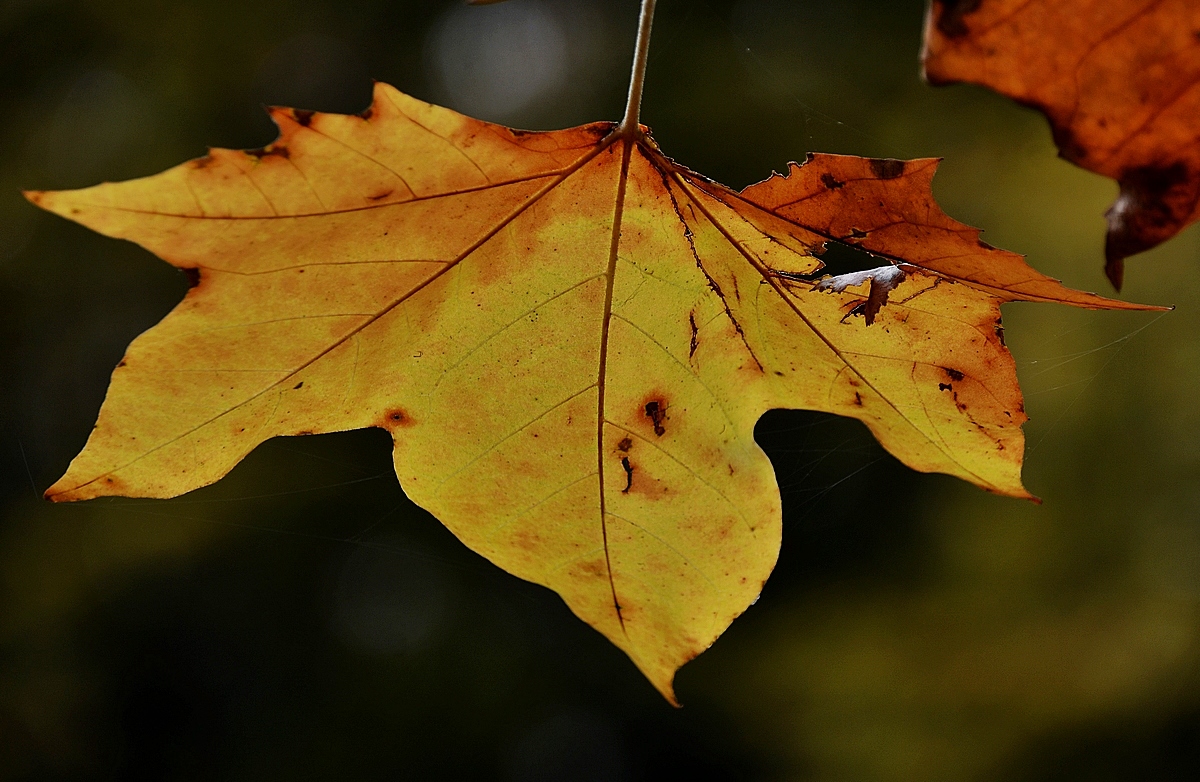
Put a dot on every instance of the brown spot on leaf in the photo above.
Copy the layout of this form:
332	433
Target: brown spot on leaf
366	113
954	373
600	129
594	568
625	445
695	334
298	386
886	168
193	276
526	540
268	151
112	485
945	387
1069	144
628	467
831	182
656	411
951	13
303	116
396	418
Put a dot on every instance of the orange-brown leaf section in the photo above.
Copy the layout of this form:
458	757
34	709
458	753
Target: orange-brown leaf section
1119	81
569	337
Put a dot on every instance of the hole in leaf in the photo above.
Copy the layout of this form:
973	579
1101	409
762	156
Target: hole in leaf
840	258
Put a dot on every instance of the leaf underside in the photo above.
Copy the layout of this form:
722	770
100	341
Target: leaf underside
1119	81
569	337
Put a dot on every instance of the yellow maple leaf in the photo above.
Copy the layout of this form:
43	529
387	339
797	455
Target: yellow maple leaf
569	336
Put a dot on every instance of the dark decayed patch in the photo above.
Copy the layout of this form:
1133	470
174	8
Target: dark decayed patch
1154	204
886	167
831	182
396	417
656	411
951	15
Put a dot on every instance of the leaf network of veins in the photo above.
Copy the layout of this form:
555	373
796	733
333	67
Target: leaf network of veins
669	170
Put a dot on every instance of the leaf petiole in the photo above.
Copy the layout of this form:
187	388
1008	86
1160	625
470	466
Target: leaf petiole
629	127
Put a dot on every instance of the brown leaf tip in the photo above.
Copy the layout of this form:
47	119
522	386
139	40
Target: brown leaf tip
105	485
51	495
1155	203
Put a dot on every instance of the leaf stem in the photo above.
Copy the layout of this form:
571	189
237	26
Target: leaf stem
629	126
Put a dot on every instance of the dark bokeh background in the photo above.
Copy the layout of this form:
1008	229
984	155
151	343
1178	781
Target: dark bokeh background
302	620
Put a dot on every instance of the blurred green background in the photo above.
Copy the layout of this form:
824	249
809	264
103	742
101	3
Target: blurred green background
302	620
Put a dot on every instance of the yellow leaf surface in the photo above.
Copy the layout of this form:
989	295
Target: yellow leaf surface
569	337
